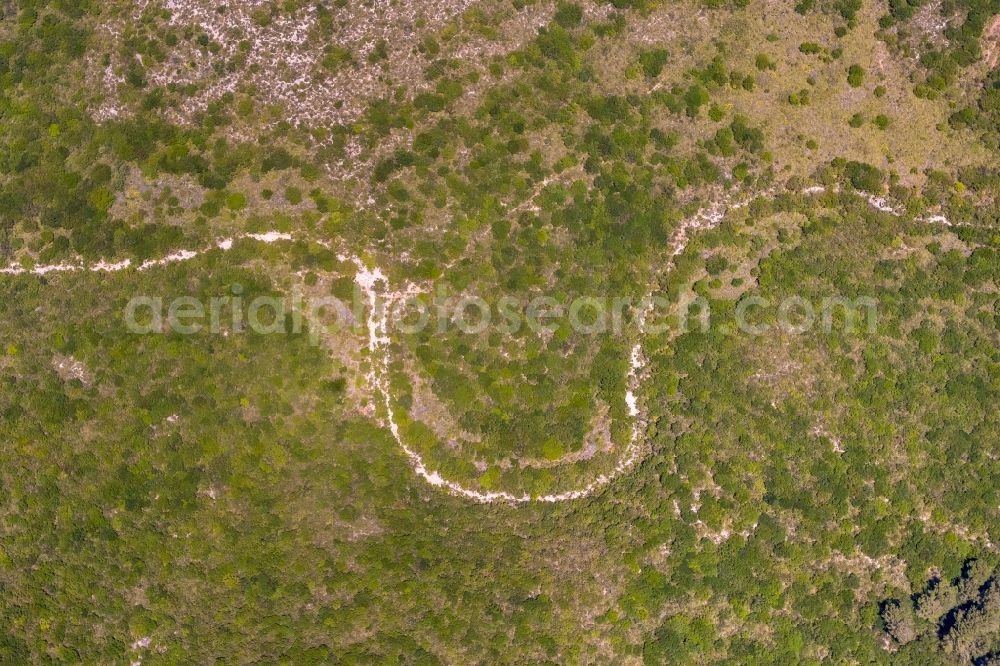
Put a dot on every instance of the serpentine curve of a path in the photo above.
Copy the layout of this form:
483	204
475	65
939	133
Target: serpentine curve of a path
373	282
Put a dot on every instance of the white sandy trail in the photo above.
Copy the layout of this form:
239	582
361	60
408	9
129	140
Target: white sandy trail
368	279
380	302
379	305
179	256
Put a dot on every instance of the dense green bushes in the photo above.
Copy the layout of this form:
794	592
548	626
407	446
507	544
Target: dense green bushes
958	618
984	115
240	495
941	66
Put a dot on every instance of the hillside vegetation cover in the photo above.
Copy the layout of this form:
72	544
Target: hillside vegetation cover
753	473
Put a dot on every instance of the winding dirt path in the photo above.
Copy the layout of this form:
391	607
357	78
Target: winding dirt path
375	286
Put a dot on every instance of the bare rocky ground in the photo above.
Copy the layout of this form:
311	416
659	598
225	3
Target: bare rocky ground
315	67
991	44
311	65
928	26
280	54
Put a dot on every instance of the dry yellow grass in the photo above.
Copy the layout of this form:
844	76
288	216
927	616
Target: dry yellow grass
917	139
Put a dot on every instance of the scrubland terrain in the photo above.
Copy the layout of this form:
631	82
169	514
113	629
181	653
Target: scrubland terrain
652	493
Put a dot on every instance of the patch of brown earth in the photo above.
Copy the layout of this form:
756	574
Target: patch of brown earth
991	43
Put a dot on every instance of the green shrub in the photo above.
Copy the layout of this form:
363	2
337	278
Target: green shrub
764	63
652	62
293	195
864	177
236	201
569	14
855	75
